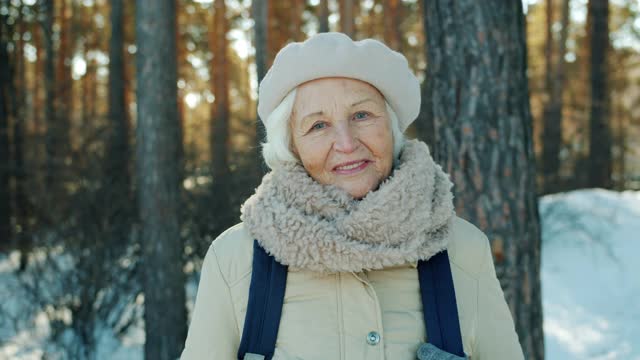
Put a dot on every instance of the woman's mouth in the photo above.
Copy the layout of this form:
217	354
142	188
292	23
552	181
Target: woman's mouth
351	167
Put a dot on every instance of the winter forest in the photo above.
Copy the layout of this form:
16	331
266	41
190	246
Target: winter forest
129	138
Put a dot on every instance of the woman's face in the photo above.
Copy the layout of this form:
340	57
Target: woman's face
342	134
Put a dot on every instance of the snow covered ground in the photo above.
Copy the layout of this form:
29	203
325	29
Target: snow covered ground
590	285
591	275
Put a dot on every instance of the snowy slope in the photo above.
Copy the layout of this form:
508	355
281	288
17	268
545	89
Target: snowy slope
591	275
590	283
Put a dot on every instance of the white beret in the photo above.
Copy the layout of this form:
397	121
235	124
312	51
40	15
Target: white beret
334	54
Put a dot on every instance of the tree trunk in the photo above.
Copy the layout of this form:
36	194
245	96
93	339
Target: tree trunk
5	159
116	176
36	87
392	15
480	105
297	10
279	13
51	145
323	16
600	133
259	9
63	82
424	123
548	78
159	171
621	144
118	153
219	135
89	84
21	203
548	47
347	24
552	133
75	92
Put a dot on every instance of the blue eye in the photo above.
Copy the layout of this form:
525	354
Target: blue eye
361	115
318	126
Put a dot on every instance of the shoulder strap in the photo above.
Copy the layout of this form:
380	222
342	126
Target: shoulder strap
264	308
439	304
266	297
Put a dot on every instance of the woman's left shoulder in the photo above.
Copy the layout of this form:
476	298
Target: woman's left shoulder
468	247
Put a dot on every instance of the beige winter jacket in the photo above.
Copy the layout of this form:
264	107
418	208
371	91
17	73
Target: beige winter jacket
329	316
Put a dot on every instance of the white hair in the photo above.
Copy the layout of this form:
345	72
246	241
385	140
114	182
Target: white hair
276	151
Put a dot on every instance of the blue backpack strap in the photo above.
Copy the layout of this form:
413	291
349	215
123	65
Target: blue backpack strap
439	304
264	308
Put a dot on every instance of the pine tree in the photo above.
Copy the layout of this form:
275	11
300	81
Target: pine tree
479	102
159	171
600	157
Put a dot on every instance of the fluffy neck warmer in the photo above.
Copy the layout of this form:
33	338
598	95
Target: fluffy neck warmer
307	225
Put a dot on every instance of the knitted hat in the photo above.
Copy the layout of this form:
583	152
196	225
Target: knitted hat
334	54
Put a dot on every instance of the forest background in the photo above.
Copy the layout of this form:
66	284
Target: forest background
129	137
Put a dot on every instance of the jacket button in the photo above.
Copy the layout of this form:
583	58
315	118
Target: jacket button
373	338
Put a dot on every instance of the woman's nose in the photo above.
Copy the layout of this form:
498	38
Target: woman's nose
346	139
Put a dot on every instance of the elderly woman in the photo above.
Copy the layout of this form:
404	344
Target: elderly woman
350	247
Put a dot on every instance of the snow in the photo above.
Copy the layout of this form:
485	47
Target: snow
590	288
590	274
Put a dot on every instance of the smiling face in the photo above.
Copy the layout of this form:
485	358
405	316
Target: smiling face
341	132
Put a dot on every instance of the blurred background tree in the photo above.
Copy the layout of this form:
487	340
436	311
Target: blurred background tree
558	101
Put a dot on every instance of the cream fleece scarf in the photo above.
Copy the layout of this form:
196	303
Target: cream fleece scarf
307	225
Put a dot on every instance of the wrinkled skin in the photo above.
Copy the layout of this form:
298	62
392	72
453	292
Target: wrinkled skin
340	121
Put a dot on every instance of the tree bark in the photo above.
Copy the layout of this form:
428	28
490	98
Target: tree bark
600	164
159	171
552	132
424	125
480	105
